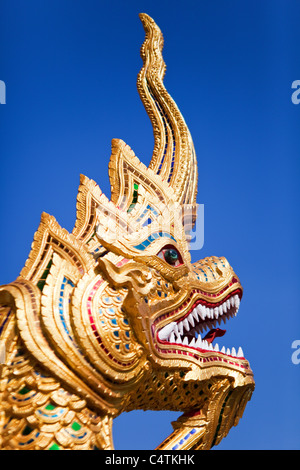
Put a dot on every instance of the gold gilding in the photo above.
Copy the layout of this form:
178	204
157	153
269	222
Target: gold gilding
84	325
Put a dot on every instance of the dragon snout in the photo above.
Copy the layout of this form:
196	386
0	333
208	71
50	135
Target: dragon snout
212	269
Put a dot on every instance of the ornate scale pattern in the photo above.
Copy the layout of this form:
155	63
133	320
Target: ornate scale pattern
87	331
42	415
114	321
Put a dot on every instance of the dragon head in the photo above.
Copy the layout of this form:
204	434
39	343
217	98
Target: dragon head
116	310
175	307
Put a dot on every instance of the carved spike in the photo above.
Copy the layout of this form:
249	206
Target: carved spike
173	155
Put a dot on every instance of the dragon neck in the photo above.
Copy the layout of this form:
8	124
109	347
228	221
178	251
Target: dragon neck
42	413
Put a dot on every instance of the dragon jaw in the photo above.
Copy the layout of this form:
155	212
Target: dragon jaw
195	328
186	325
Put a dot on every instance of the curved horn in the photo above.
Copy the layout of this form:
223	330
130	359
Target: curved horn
173	155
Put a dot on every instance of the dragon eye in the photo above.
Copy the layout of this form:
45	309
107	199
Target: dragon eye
171	255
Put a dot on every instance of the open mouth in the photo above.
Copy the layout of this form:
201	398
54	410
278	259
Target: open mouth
199	328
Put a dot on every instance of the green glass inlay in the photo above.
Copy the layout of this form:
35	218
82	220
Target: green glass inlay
42	281
134	197
24	391
76	426
54	447
50	407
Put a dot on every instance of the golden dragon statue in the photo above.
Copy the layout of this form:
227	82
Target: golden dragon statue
114	317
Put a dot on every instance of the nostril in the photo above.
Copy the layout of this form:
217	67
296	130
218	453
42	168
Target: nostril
218	270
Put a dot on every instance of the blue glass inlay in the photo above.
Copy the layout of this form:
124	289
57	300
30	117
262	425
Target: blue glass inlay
186	437
61	305
147	222
140	247
151	238
59	412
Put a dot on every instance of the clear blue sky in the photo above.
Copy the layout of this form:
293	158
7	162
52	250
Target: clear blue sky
70	70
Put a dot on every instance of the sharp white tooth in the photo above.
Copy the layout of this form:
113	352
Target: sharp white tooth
176	329
232	301
216	347
221	309
240	352
223	350
185	341
237	301
199	342
228	304
195	314
205	344
228	352
191	320
224	307
216	312
165	332
193	342
186	324
202	311
180	327
172	337
233	352
211	313
210	347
